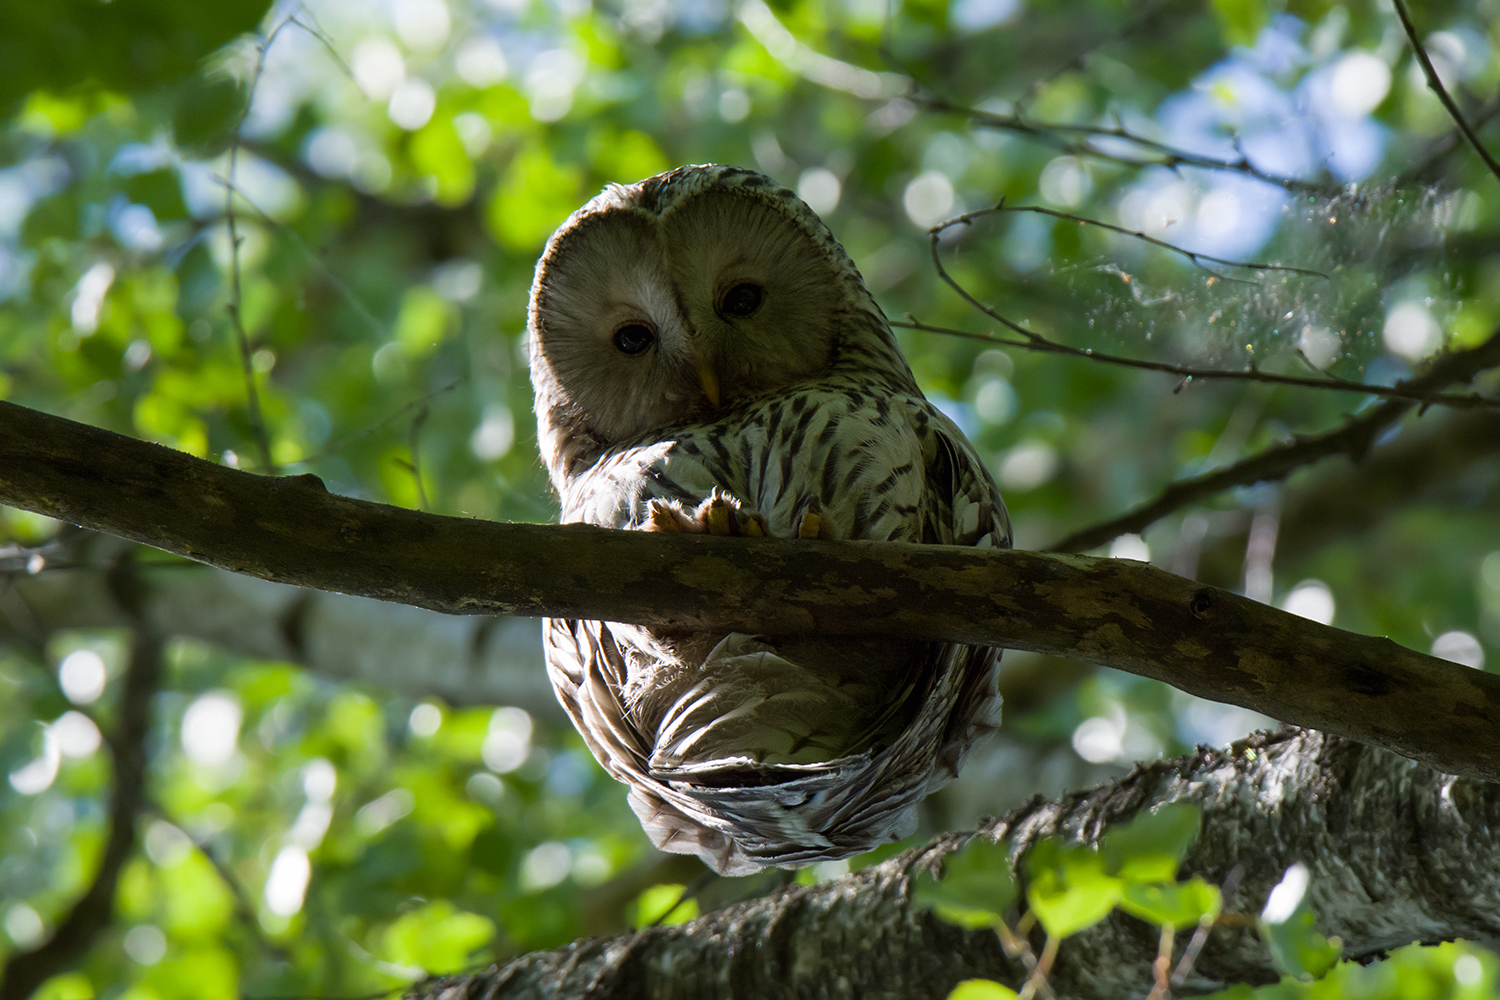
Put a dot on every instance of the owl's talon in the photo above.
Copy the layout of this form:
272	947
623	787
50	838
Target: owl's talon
717	516
754	526
665	518
811	525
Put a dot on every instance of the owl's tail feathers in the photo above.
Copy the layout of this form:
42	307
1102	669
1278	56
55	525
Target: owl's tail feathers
740	815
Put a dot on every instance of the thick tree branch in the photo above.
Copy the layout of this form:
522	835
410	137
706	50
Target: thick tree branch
1397	853
1113	612
27	970
1446	459
1354	439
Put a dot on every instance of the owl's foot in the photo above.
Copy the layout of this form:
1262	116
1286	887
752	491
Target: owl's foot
720	514
811	523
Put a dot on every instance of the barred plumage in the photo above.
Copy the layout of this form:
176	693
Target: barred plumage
706	358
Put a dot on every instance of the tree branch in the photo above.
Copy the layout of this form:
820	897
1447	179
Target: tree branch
1052	134
1397	853
1354	439
1112	612
1435	84
1034	341
1446	144
1447	459
27	970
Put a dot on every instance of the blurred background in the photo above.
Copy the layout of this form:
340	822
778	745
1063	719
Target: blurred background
300	239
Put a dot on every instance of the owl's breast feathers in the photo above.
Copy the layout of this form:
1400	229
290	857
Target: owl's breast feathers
756	750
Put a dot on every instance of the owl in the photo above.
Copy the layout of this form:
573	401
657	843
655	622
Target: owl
706	358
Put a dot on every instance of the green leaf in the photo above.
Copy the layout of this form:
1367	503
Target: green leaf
1182	904
208	973
663	904
1151	846
68	986
625	156
981	989
437	937
197	903
426	318
1070	890
1297	949
207	108
437	152
977	885
1241	21
128	45
533	197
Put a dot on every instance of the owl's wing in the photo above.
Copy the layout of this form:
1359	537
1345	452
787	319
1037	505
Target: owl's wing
963	505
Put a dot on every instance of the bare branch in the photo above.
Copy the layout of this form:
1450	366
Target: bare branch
242	338
1142	19
1445	145
314	257
1436	86
1192	255
1037	342
1114	612
1053	134
74	935
244	909
1355	816
1353	438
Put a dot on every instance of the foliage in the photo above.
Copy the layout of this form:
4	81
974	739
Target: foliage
1071	887
396	170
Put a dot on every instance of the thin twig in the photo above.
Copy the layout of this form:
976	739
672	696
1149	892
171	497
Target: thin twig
1161	987
316	30
334	280
1038	977
75	934
1188	373
1017	945
244	910
1200	936
1441	147
418	403
1192	255
1036	342
1052	134
414	444
1354	438
252	394
1080	58
1436	86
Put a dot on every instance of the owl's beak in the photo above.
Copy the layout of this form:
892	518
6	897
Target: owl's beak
710	382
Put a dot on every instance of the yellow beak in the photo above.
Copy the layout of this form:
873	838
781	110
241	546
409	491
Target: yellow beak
710	382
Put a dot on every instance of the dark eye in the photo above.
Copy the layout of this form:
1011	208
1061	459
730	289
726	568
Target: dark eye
634	338
743	299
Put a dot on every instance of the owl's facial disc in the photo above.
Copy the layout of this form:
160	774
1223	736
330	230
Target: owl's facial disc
761	297
607	324
643	318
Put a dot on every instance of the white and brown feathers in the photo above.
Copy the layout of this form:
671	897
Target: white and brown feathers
702	348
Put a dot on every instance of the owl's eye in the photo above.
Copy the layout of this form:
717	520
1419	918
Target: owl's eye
634	338
742	300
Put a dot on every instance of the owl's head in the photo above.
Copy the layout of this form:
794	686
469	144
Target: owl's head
670	299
